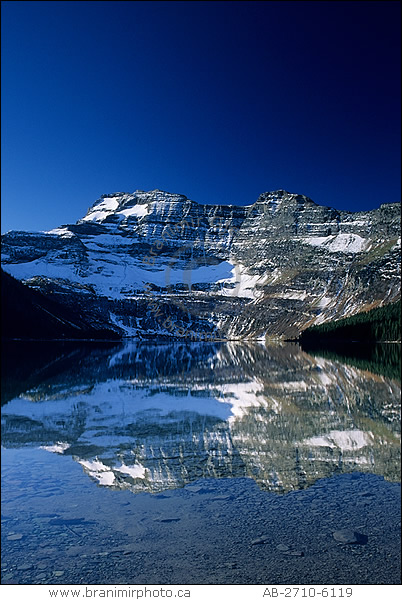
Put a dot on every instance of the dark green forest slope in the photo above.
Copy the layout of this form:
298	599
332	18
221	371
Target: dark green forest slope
357	340
28	314
378	325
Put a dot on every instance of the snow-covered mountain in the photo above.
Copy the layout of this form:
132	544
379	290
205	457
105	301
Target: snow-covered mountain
155	263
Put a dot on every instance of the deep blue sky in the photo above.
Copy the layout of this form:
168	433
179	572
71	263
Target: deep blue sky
219	101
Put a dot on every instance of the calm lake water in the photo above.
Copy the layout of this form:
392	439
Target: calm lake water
197	464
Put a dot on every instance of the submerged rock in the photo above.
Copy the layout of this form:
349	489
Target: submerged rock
348	536
263	539
15	536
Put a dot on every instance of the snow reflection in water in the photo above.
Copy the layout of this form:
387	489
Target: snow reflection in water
149	417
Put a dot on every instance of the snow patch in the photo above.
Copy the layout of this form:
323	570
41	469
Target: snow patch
343	242
296	386
139	211
291	295
100	211
325	300
62	231
245	283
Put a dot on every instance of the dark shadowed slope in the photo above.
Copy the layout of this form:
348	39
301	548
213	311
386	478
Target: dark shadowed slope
27	314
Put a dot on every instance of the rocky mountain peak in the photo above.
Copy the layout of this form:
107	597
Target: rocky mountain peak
121	205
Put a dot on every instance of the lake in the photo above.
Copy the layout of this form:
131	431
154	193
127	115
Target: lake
173	463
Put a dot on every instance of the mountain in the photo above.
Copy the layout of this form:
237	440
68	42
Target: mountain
151	264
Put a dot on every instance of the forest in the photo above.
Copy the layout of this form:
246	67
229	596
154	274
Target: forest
381	324
360	340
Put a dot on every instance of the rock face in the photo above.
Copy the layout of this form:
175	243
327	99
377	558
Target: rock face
155	263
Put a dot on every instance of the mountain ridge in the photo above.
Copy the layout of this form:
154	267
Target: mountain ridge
260	197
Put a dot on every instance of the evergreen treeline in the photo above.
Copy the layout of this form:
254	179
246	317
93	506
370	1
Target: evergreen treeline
377	325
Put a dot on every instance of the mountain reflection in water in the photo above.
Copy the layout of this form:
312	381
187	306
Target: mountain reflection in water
146	417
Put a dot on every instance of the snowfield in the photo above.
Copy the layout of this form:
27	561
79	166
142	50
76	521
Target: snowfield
343	242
